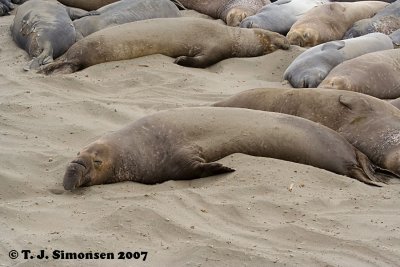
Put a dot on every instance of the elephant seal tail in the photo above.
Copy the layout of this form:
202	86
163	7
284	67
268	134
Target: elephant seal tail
368	173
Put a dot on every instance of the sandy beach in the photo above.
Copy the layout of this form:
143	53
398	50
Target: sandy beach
267	213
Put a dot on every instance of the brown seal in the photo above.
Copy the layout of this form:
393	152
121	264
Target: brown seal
230	11
196	43
376	74
330	21
185	143
370	124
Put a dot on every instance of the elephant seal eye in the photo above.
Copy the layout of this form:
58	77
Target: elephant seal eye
97	162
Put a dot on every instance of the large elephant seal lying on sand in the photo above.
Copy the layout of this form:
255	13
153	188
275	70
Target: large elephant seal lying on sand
385	21
230	11
376	74
184	143
280	15
196	42
370	124
125	11
313	65
330	22
44	29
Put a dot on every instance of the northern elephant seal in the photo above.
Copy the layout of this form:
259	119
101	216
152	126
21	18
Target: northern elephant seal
370	124
125	11
314	64
280	15
196	43
44	29
184	143
87	4
385	21
375	74
230	11
330	21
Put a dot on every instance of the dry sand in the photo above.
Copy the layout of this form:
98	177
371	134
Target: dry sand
247	218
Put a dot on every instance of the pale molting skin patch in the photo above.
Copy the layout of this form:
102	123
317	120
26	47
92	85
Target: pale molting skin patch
236	15
304	38
271	41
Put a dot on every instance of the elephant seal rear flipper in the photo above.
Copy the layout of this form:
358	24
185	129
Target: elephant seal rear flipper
369	173
179	4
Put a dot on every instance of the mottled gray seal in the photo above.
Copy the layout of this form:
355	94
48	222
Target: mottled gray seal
313	65
184	143
375	74
196	43
87	4
385	21
370	124
230	11
44	29
280	15
125	11
395	36
330	22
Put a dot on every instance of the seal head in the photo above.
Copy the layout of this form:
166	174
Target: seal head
92	166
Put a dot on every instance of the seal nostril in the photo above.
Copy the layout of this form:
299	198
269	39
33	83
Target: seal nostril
80	162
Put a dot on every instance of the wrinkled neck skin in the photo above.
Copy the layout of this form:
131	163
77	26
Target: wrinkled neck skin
126	160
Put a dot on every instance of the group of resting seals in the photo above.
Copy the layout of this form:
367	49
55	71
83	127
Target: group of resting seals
385	21
311	67
47	29
354	63
376	74
330	22
184	143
